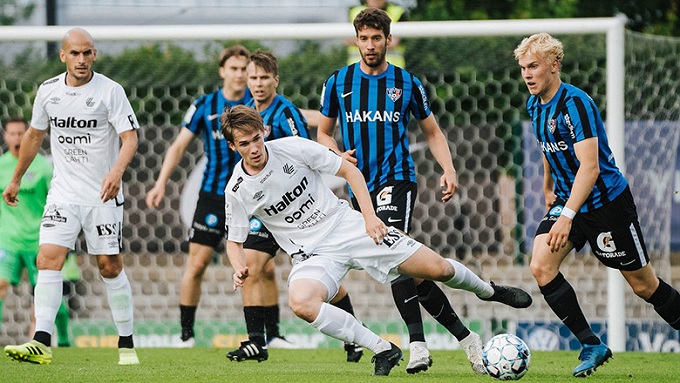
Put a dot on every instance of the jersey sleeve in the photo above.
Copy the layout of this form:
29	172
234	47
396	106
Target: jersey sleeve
39	117
121	115
318	157
237	222
192	118
580	118
329	97
420	104
291	122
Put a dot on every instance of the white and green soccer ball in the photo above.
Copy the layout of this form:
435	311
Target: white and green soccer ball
506	357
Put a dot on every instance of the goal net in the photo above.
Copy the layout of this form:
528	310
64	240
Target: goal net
478	97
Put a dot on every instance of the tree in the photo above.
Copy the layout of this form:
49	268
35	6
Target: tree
12	11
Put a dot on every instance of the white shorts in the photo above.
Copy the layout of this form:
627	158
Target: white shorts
349	247
102	226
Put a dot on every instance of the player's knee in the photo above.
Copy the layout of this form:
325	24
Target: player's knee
542	272
302	306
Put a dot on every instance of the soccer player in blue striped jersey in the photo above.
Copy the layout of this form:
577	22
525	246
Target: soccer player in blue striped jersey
373	101
587	200
207	231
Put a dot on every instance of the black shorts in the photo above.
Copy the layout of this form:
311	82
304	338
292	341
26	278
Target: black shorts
613	232
260	239
207	227
393	203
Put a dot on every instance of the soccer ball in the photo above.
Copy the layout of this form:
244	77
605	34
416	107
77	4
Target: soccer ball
506	357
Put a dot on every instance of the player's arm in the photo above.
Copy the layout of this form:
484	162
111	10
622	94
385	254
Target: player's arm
172	158
312	117
112	181
439	146
375	228
588	171
324	136
30	145
237	258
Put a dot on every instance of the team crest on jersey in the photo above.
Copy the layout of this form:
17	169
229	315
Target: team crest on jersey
288	169
552	125
394	93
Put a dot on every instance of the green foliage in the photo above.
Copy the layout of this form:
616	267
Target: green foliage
12	11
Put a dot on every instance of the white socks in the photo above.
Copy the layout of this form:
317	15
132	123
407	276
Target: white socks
340	324
47	297
119	295
465	279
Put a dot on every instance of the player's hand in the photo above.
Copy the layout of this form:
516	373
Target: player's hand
240	277
376	229
110	186
10	194
449	185
349	156
559	234
155	196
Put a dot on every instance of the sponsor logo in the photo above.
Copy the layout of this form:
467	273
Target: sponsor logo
76	155
288	198
570	126
555	211
393	237
73	123
89	102
385	196
255	224
258	196
217	135
605	242
55	100
86	139
238	183
373	116
51	81
553	147
52	215
394	94
386	208
393	220
266	176
346	94
72	94
424	95
293	127
211	220
131	119
107	229
288	169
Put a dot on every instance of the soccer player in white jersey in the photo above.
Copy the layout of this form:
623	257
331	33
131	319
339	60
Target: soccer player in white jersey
280	183
93	139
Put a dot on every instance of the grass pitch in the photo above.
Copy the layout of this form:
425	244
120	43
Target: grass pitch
200	365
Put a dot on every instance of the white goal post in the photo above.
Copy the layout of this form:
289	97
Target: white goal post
612	27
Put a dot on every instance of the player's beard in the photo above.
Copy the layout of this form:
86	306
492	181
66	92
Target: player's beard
377	60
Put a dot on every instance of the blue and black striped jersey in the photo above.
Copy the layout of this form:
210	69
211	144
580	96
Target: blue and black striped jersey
373	113
203	117
283	119
572	116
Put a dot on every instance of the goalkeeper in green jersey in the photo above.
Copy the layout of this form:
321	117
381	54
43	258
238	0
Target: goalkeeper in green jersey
20	225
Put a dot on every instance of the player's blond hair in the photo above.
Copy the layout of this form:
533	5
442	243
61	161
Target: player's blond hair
542	45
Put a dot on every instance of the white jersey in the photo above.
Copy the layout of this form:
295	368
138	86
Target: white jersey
85	122
288	195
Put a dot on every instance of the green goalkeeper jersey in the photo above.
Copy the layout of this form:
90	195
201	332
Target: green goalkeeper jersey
20	225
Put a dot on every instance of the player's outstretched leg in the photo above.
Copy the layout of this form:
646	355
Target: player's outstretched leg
249	350
386	360
511	296
32	352
592	357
